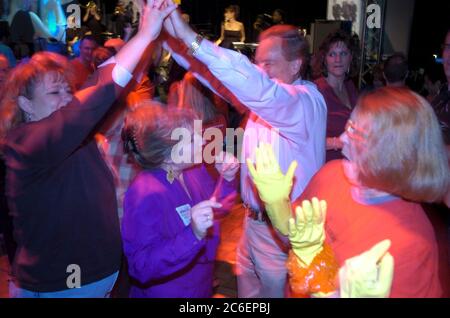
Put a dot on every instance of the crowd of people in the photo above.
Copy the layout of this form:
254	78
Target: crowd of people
333	178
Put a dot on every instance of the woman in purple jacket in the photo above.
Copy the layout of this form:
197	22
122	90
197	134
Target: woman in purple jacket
170	230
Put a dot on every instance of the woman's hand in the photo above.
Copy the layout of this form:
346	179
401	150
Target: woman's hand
202	217
179	28
153	15
227	165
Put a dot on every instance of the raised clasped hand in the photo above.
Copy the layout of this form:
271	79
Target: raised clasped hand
154	12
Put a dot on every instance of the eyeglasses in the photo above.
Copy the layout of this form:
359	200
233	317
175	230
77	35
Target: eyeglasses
354	132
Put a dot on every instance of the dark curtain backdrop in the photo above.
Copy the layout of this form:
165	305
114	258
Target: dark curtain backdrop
430	24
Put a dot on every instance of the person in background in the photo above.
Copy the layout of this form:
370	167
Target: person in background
374	79
278	16
231	29
262	23
212	110
53	17
82	66
396	70
145	89
120	19
336	65
441	102
92	20
115	44
434	80
74	33
6	225
100	55
208	107
26	27
337	10
129	11
170	227
441	106
4	48
4	70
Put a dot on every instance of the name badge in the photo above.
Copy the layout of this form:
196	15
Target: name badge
184	212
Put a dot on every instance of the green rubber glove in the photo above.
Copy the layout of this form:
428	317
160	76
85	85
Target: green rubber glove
368	275
274	188
307	232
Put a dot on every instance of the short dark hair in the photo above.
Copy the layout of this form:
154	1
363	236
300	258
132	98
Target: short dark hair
396	68
280	12
234	8
294	44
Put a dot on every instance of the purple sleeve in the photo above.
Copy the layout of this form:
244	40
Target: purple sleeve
52	139
153	252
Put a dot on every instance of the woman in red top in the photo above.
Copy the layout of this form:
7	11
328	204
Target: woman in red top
60	192
335	64
395	159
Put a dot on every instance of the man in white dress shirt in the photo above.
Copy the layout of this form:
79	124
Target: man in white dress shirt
291	111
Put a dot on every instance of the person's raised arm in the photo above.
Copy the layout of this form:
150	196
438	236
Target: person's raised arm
276	102
150	27
52	139
96	15
86	16
222	34
242	32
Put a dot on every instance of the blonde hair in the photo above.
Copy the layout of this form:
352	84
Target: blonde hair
403	152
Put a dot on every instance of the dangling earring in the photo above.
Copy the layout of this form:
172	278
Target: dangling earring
170	175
